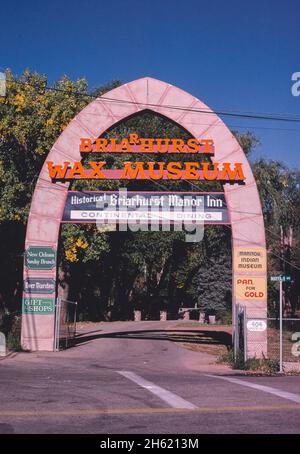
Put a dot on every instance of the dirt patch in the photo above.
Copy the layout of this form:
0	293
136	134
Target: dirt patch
203	327
212	339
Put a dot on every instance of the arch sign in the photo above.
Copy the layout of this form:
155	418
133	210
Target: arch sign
52	203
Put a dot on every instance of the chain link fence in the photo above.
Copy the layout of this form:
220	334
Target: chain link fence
247	329
290	339
65	323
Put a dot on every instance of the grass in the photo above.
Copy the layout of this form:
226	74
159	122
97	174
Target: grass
216	340
265	366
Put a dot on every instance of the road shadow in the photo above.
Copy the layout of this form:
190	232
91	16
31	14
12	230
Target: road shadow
200	337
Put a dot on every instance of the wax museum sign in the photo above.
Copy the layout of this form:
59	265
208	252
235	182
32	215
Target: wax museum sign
153	170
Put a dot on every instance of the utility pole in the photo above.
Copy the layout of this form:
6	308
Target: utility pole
280	328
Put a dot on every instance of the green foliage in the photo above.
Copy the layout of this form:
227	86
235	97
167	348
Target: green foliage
214	276
279	192
10	325
265	365
279	189
31	119
248	141
14	336
225	317
235	361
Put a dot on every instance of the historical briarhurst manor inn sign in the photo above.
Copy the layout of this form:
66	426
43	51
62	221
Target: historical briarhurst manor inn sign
52	202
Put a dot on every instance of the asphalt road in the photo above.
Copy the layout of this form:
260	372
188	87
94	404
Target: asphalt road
127	377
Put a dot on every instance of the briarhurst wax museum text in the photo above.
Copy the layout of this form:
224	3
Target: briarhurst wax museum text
139	170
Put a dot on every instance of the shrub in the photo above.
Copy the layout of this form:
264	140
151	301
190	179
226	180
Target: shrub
11	327
264	365
235	361
225	318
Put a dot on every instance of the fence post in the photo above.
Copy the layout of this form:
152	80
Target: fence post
280	328
75	319
56	328
245	335
236	329
64	327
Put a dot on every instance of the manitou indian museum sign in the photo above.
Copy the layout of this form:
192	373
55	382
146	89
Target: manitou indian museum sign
52	203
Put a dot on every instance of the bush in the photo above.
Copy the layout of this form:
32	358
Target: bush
264	365
271	365
235	361
14	336
252	364
11	327
225	318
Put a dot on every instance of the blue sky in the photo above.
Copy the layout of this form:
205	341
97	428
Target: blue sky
233	55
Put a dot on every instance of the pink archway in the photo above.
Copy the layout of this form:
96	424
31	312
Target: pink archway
48	200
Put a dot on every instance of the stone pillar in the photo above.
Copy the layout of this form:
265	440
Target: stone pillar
163	316
40	266
186	315
202	317
212	319
137	316
2	344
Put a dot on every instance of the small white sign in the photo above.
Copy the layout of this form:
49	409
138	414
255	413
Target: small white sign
256	325
185	216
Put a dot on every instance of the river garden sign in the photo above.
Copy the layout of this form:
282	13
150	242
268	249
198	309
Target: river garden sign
52	203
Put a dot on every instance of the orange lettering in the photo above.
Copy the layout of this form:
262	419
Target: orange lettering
57	171
101	145
193	145
97	166
130	173
86	145
233	175
191	170
146	145
77	170
174	171
153	172
207	170
177	145
208	145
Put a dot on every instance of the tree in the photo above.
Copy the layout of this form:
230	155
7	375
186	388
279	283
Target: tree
279	189
31	119
110	273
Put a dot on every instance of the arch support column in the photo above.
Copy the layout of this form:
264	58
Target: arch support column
249	264
40	266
